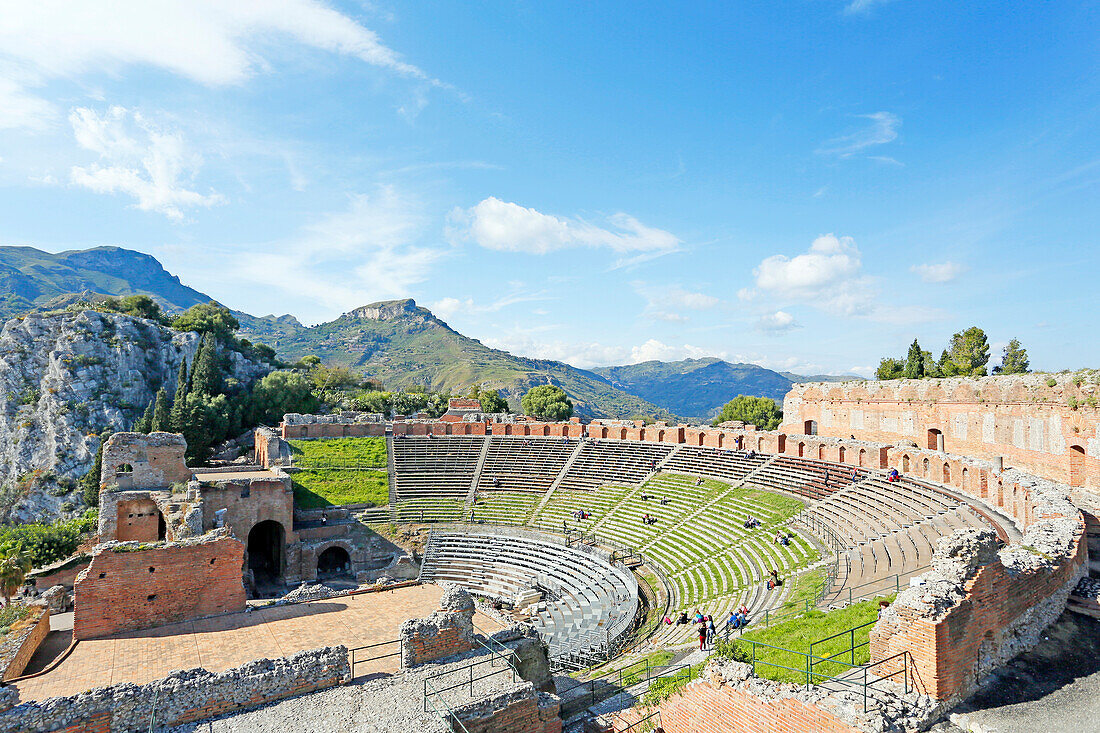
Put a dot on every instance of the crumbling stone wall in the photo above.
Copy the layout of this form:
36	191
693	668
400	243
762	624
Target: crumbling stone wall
156	461
181	697
130	585
337	425
22	641
978	608
519	708
1051	431
448	631
269	449
179	507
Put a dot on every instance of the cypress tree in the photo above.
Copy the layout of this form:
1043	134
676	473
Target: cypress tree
205	375
145	423
162	419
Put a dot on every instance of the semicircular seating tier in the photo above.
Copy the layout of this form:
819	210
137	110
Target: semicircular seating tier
585	602
698	500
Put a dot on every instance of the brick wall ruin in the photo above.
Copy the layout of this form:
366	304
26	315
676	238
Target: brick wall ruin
517	709
448	631
1050	430
182	697
21	641
139	461
337	425
979	607
130	586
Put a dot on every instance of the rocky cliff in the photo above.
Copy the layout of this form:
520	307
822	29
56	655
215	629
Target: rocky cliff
64	379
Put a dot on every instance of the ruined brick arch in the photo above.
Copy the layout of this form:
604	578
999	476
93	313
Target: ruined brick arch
721	440
809	427
266	551
124	468
947	473
332	556
862	457
1076	465
760	444
935	439
965	479
841	454
801	448
660	436
781	444
821	452
925	466
905	463
699	439
620	434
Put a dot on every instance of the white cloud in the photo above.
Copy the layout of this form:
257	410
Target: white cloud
448	307
508	227
882	129
137	158
17	107
829	276
941	273
777	323
349	258
664	302
208	41
655	350
862	6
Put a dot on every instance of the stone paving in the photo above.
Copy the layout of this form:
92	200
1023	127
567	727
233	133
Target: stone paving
223	642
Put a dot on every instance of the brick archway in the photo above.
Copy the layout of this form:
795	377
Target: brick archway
1076	465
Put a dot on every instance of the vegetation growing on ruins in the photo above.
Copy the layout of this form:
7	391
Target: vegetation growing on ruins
967	354
762	412
547	401
797	634
47	543
315	488
364	452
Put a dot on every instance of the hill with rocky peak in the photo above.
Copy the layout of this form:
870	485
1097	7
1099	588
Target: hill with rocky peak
31	279
405	345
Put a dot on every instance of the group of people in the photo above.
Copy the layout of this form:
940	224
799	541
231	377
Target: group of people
751	522
581	515
892	475
646	519
774	580
782	538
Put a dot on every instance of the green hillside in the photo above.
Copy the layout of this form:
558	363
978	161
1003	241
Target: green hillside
404	345
696	387
31	279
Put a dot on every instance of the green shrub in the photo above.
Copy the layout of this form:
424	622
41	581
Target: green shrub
48	543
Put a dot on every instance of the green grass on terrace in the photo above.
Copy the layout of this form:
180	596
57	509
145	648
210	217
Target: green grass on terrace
797	634
450	510
368	452
505	507
315	488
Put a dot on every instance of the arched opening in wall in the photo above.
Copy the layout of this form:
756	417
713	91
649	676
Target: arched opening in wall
935	439
801	449
1076	465
810	427
124	468
905	464
862	457
334	562
781	444
820	452
266	551
965	479
760	445
841	454
946	473
925	466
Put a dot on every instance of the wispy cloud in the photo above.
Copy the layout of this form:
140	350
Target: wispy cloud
448	307
138	158
777	323
862	6
210	42
939	273
667	302
881	129
507	227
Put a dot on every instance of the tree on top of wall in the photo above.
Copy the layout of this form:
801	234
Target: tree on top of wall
914	362
1014	359
890	368
969	351
547	401
490	399
763	412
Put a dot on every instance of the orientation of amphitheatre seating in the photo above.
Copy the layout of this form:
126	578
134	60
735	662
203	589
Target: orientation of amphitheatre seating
606	547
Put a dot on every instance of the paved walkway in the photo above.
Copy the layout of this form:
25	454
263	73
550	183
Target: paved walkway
228	641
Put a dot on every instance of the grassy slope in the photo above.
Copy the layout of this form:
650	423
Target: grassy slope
797	635
321	487
411	347
368	452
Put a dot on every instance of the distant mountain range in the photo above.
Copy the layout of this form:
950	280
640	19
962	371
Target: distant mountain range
397	342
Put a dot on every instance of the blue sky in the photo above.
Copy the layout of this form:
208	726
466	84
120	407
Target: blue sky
807	185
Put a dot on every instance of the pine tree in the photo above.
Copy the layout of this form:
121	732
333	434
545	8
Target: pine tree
182	382
145	423
162	418
1015	359
205	376
914	362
